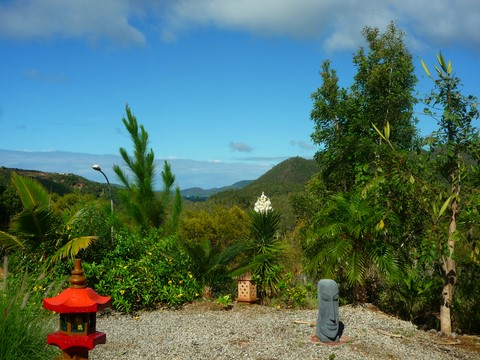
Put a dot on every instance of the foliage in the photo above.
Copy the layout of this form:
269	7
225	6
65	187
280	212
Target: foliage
37	228
411	295
349	237
221	225
382	92
295	293
23	328
146	208
265	247
9	204
141	273
212	266
225	301
466	317
455	139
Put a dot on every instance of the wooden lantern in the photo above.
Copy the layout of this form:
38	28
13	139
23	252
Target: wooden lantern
247	290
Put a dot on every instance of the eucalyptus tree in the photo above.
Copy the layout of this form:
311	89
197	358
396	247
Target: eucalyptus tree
382	91
146	207
456	150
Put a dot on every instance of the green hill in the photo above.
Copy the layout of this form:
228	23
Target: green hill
58	183
288	177
279	183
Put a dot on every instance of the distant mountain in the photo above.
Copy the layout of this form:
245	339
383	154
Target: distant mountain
283	180
197	193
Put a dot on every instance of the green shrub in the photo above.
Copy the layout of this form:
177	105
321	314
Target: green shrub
139	273
294	293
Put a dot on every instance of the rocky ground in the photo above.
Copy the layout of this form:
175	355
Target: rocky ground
201	331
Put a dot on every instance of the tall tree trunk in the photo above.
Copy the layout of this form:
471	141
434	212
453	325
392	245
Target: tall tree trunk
450	271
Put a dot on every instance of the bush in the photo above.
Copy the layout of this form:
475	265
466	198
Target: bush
296	293
139	273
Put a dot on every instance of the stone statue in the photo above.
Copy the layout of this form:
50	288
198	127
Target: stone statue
329	328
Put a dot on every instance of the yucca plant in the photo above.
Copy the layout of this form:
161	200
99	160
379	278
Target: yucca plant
265	246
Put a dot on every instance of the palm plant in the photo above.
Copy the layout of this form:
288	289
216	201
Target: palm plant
37	228
349	236
212	266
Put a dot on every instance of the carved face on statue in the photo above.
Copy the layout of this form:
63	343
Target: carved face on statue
328	323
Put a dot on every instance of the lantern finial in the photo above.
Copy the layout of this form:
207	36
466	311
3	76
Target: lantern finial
77	280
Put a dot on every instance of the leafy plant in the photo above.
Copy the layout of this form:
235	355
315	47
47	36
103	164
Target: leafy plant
213	266
225	301
140	273
296	294
146	208
456	140
23	329
348	237
37	228
413	291
265	246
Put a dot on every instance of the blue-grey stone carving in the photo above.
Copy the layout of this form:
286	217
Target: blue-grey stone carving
329	328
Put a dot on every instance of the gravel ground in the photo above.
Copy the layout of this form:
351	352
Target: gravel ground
264	333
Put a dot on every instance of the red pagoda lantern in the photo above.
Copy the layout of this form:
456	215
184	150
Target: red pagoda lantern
77	307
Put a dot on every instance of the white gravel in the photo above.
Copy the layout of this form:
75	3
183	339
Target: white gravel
264	333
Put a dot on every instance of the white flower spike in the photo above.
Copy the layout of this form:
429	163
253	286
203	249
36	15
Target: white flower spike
263	204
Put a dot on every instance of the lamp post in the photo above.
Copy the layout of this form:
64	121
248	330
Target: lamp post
97	167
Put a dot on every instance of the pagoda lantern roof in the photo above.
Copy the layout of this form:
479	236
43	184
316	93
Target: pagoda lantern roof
77	298
77	301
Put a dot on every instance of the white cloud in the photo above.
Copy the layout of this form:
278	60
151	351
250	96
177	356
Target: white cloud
87	19
336	24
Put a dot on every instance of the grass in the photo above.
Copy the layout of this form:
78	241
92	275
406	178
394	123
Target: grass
23	329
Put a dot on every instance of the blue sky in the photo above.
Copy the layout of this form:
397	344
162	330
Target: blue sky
222	86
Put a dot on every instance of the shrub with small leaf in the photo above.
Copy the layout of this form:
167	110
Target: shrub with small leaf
139	273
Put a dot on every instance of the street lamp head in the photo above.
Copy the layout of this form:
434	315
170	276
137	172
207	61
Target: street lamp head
96	167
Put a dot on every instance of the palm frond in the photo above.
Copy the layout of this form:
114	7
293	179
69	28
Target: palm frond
8	241
33	224
73	247
355	268
30	191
